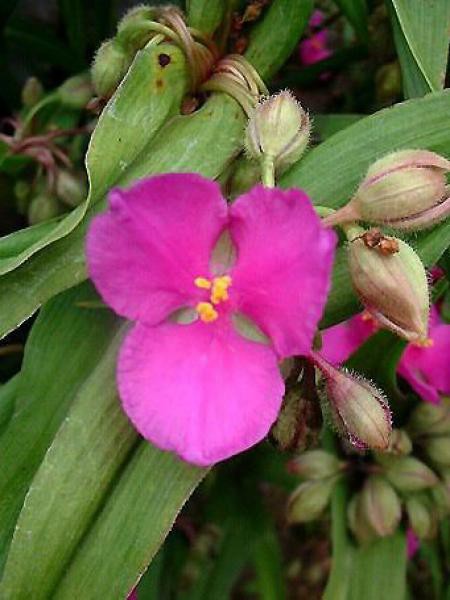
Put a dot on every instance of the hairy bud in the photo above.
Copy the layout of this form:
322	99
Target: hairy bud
380	505
406	190
133	30
315	464
392	287
407	474
76	91
278	130
358	409
310	499
109	68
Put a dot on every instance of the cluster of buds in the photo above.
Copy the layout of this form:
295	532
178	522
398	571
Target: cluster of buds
408	483
406	190
278	131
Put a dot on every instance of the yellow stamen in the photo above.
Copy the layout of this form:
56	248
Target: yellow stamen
203	283
220	287
423	343
207	312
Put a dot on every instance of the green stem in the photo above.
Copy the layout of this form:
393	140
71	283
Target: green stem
268	171
50	99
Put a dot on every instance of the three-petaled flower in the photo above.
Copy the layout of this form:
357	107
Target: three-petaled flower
191	378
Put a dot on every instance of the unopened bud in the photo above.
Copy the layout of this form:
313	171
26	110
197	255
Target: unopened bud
310	499
133	31
392	287
407	474
32	92
278	130
43	208
357	521
76	91
315	464
109	68
429	419
380	505
406	190
70	189
358	409
421	517
400	443
440	495
438	450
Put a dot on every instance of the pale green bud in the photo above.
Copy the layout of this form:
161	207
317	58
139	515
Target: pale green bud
357	521
380	505
278	129
70	188
440	495
438	450
400	443
421	517
408	474
43	208
393	287
133	30
315	464
109	68
429	419
32	92
76	91
310	499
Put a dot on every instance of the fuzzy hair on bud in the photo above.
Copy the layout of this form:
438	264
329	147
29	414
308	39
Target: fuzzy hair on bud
109	68
278	129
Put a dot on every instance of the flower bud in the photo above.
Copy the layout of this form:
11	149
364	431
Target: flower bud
440	495
109	68
357	408
357	521
76	91
32	92
407	474
315	464
279	130
310	499
133	31
438	450
392	287
380	505
70	189
429	419
421	518
406	190
400	443
43	208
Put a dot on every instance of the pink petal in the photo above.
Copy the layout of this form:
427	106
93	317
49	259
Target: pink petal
200	390
341	341
412	543
282	275
156	238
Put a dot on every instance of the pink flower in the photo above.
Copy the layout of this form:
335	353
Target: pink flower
427	369
412	543
202	389
341	341
315	48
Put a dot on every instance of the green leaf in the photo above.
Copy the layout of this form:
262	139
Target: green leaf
329	124
330	174
184	144
273	39
8	392
205	15
72	12
62	349
356	13
422	40
147	97
131	526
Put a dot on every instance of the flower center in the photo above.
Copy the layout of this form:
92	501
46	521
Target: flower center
219	293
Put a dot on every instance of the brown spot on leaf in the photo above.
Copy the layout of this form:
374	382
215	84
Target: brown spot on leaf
159	83
164	60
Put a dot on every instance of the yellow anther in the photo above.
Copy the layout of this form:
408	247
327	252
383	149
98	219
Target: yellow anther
207	312
220	286
203	283
423	343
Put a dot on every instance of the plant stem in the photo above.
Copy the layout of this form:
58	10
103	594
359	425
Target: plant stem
268	172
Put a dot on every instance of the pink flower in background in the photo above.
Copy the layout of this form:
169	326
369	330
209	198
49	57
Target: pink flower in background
427	369
412	543
341	341
315	48
204	389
